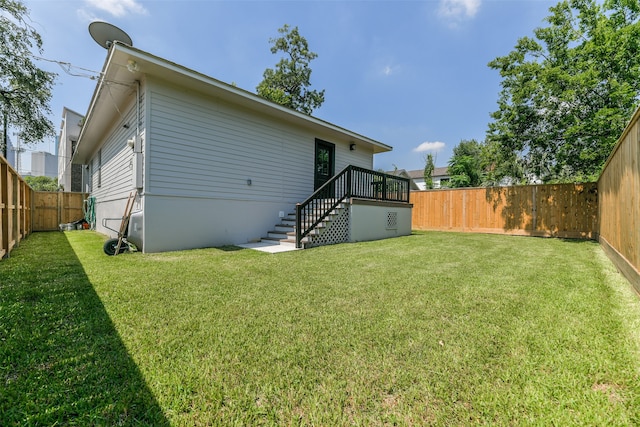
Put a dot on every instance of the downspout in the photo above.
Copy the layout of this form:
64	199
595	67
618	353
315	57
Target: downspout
139	159
137	147
137	108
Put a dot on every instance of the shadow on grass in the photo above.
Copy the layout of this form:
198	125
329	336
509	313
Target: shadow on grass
61	359
230	248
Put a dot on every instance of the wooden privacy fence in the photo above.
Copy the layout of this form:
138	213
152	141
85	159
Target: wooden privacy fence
561	210
23	210
52	209
619	205
15	208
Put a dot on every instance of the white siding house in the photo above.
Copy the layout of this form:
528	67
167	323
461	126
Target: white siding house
211	164
69	175
439	176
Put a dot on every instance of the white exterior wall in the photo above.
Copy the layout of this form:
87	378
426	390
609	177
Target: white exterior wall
200	153
420	183
437	182
370	220
111	181
69	131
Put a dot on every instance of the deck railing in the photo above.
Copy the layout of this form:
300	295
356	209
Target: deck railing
355	182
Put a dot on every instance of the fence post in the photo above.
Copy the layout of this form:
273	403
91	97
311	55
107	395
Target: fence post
464	210
59	207
4	208
534	208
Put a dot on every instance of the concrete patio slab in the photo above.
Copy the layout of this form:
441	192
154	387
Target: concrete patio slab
271	248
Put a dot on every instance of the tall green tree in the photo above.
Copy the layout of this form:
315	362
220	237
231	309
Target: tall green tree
429	167
288	84
25	89
465	165
42	183
498	164
568	92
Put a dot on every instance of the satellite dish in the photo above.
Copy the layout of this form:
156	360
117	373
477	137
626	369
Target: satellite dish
105	34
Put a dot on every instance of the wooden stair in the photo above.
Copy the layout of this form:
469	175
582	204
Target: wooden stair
284	233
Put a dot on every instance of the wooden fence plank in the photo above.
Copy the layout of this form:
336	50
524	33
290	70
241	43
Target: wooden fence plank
23	211
15	208
619	204
54	208
4	209
563	210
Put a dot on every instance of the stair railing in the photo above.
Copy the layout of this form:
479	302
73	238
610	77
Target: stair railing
353	181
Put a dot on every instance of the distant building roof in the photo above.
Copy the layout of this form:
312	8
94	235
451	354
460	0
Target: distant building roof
398	172
419	173
403	173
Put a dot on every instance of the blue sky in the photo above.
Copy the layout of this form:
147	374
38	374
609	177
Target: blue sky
411	74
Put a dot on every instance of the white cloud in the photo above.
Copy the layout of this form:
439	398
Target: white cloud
385	68
459	9
430	146
86	16
118	7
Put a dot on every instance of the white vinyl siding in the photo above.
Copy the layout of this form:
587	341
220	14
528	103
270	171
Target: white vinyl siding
111	172
362	156
99	161
199	147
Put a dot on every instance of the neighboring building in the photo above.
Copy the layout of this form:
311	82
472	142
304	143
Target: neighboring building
11	154
44	164
440	177
213	165
404	174
69	175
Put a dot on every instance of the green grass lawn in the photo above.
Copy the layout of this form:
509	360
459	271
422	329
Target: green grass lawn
429	329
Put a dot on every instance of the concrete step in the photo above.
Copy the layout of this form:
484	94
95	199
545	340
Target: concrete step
282	235
289	241
285	241
285	227
289	226
289	234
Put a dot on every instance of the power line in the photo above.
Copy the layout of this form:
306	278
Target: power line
67	67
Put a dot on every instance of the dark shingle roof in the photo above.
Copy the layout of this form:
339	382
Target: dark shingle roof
419	173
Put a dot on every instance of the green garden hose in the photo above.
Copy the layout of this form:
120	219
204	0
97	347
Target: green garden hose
89	208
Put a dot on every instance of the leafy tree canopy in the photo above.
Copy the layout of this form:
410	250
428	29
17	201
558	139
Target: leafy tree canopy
568	92
429	167
465	165
25	89
42	183
288	83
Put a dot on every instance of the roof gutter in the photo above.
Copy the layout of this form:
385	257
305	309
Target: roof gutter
244	94
232	93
